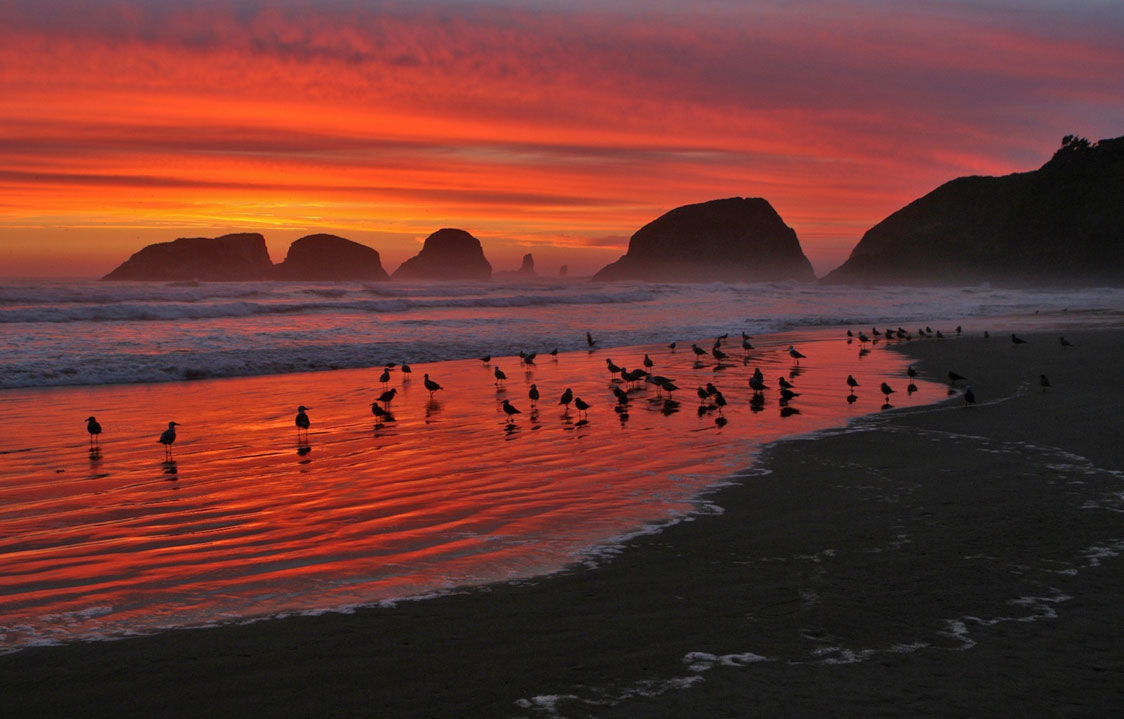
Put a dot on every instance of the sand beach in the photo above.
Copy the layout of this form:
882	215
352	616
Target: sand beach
936	559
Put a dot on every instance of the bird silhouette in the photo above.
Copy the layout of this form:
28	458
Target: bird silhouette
1064	342
699	351
613	369
387	396
381	414
787	394
168	438
1017	340
852	383
500	376
910	372
533	395
669	387
510	410
589	339
406	368
784	383
486	359
431	385
718	354
795	354
887	390
648	363
94	428
969	397
567	398
302	420
385	377
581	405
953	378
757	384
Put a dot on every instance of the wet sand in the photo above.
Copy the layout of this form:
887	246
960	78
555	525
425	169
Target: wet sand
942	560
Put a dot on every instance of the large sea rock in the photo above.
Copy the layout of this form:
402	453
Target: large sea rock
739	239
328	258
1062	224
235	257
447	254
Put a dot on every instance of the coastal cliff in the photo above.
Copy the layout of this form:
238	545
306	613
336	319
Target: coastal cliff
1062	224
738	239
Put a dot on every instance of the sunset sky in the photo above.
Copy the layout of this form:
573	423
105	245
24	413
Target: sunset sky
553	127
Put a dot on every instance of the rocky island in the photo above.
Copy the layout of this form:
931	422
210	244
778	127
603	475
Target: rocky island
328	258
738	239
230	258
447	254
1062	224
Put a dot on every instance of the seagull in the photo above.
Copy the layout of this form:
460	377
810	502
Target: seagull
486	359
957	330
581	405
911	372
1017	340
1044	382
672	346
406	368
863	339
702	393
387	396
850	333
784	384
887	390
794	354
718	354
787	394
1064	342
554	352
668	387
567	398
380	413
431	386
385	377
621	395
648	363
168	437
699	351
500	376
757	385
953	378
533	394
969	397
852	383
613	369
302	420
529	358
746	345
94	429
719	401
510	411
589	339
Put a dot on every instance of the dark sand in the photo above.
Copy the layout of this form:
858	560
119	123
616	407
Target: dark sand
941	561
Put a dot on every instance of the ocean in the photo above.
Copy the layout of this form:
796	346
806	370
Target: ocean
248	520
85	332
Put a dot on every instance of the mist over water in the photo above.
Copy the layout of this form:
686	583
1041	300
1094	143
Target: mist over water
92	333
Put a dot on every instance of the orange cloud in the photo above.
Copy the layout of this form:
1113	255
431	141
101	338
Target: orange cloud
549	127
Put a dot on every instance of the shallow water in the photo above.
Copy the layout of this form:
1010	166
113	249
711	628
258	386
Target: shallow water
248	521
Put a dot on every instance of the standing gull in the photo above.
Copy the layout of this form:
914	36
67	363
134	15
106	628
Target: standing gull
94	428
510	411
431	385
887	390
852	383
500	376
168	438
533	395
302	421
795	354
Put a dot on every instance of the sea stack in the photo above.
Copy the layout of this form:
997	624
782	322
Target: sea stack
328	258
447	254
235	257
1062	224
738	239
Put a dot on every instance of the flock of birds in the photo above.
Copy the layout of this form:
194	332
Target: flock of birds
711	398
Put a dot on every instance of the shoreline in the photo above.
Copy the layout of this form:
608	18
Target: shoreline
936	560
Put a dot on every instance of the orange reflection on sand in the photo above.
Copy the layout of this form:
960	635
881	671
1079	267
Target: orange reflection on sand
249	520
